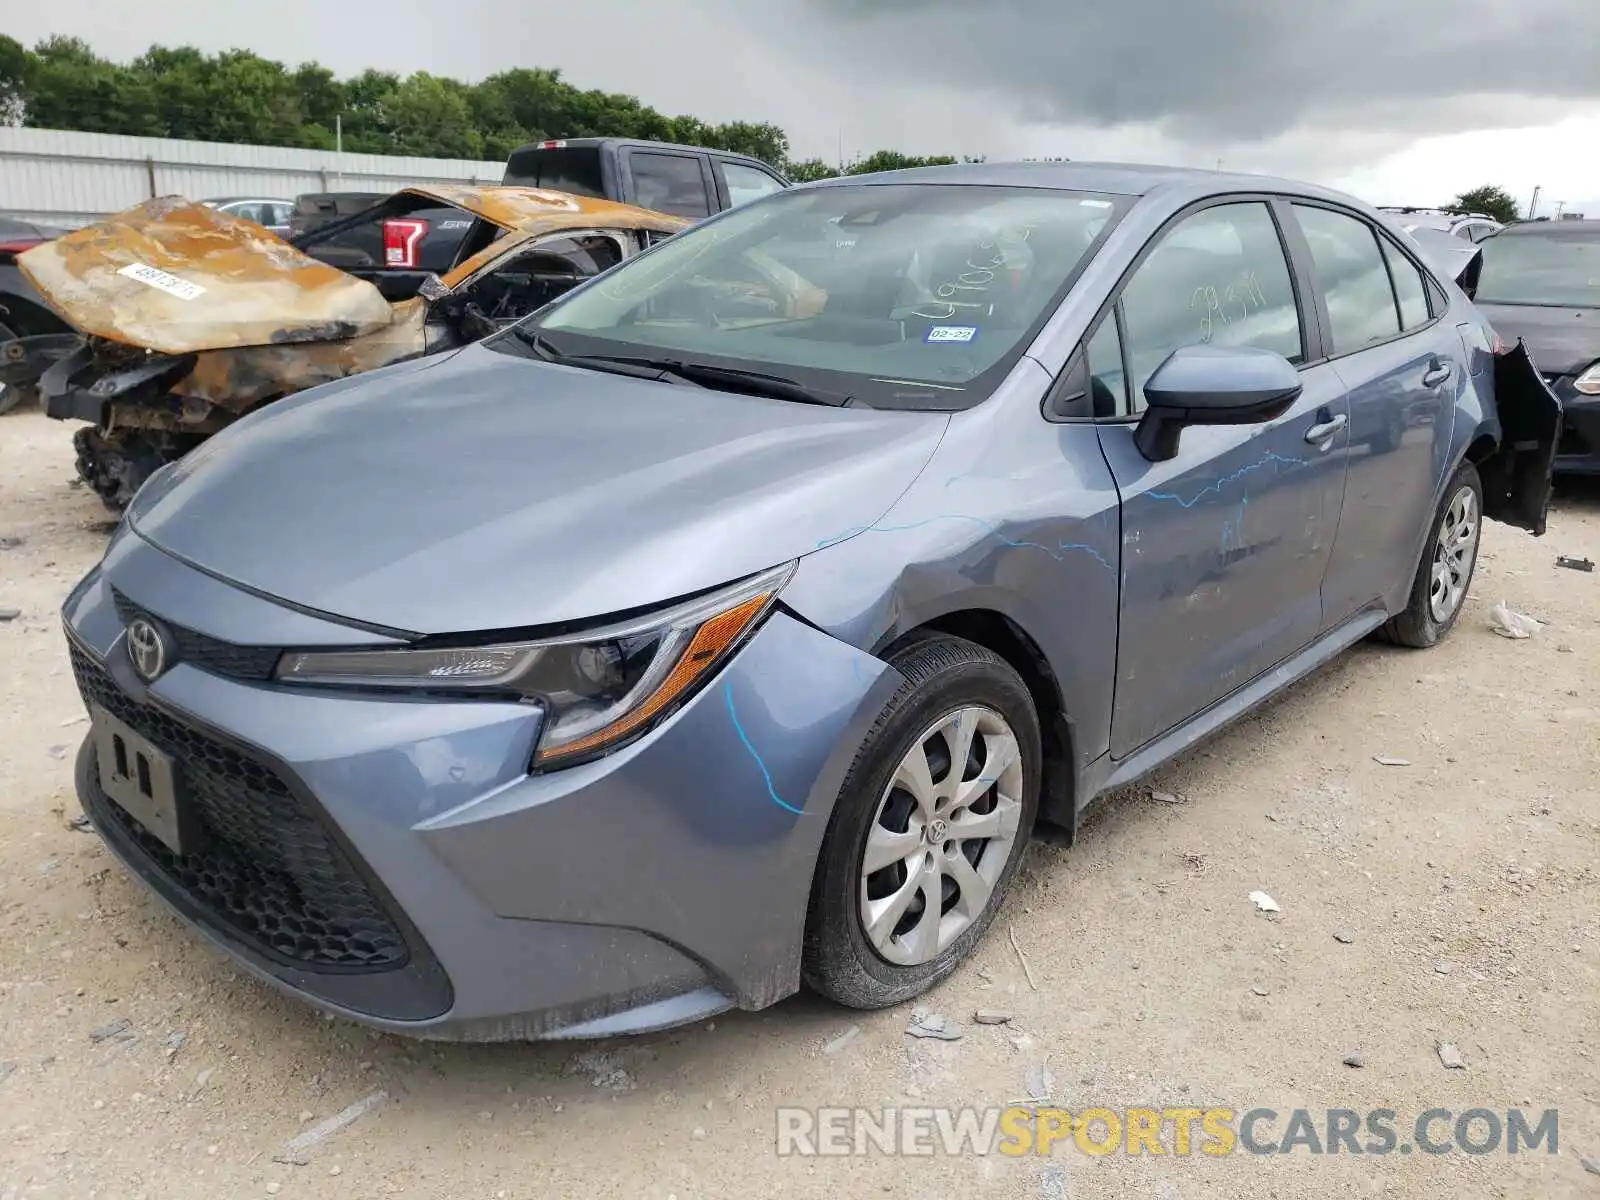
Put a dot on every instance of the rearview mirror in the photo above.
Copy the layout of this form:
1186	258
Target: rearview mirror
1212	385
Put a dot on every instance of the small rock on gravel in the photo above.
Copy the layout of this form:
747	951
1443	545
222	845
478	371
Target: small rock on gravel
10	614
1451	1057
1591	1165
989	1016
1343	936
837	1044
1442	968
932	1025
1385	760
115	1029
1355	1060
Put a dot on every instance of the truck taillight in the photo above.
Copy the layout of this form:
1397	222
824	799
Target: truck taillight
556	145
401	237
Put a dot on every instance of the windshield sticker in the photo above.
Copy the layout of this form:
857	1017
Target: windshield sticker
171	284
951	333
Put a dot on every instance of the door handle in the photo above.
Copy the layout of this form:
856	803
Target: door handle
1436	374
1324	430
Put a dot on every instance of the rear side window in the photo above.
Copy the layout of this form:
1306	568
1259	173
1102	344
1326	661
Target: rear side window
669	183
1350	270
1220	278
744	183
1409	287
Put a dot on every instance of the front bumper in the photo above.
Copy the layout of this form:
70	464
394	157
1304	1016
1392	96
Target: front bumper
1578	452
390	859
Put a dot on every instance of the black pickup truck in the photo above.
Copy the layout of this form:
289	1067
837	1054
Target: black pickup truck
397	252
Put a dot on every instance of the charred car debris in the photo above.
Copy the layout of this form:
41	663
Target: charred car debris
188	318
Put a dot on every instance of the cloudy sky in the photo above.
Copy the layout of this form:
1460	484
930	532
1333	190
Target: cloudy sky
1401	101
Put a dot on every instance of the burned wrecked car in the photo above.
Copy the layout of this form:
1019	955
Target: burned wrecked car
190	318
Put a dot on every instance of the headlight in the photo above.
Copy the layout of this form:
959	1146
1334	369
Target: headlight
1589	382
599	688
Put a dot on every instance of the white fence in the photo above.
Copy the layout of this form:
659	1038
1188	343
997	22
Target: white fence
64	178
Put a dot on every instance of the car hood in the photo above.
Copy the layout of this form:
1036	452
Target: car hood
486	491
1562	341
176	277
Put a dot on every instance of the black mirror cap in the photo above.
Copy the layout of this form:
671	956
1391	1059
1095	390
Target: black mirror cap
1213	385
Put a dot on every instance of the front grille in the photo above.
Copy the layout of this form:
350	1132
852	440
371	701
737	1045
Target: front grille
208	653
266	868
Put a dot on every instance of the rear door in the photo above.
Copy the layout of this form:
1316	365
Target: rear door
1388	338
1223	547
669	181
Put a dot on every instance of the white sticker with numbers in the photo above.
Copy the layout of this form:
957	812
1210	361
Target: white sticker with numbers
171	284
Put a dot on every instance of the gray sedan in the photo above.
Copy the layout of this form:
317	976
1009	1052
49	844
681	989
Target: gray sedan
735	619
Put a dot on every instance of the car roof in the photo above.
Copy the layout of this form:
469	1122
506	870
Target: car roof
1111	178
1589	228
594	143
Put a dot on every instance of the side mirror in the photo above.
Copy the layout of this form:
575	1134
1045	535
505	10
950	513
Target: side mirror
1212	385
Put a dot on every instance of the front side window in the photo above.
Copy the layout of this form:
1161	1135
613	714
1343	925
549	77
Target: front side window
745	184
1220	278
898	295
1548	268
1108	382
1350	270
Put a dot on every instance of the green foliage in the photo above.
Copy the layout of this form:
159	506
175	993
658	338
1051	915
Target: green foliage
1491	201
238	96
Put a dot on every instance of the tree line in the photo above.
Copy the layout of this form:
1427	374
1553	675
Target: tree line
238	96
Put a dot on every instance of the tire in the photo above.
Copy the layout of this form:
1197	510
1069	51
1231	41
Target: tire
1423	623
952	686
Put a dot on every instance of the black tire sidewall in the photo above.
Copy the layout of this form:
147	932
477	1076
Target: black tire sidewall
840	961
1420	610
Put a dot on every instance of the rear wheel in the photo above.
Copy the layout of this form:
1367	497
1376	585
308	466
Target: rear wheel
929	830
1439	589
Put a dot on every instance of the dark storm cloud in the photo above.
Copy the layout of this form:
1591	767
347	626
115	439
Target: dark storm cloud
1234	70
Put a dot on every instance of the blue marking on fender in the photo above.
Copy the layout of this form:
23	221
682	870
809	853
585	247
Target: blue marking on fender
772	792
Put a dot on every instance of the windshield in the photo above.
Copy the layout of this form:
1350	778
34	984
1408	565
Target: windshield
896	295
1563	272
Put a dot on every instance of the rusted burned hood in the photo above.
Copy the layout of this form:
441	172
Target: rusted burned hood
177	277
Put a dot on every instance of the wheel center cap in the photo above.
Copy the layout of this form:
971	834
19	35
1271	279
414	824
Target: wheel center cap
938	830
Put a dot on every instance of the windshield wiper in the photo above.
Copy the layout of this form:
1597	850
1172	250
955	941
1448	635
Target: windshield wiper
634	368
756	383
737	379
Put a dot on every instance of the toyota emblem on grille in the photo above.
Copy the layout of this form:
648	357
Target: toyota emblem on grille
147	648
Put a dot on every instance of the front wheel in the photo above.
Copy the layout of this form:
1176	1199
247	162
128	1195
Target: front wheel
929	830
1439	589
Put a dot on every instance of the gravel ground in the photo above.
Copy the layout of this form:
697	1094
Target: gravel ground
1450	899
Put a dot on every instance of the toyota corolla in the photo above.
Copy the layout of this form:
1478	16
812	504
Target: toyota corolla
734	620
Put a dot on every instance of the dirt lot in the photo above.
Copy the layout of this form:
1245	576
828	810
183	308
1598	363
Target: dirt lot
135	1062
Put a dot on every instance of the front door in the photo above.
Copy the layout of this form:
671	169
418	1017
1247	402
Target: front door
1223	547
